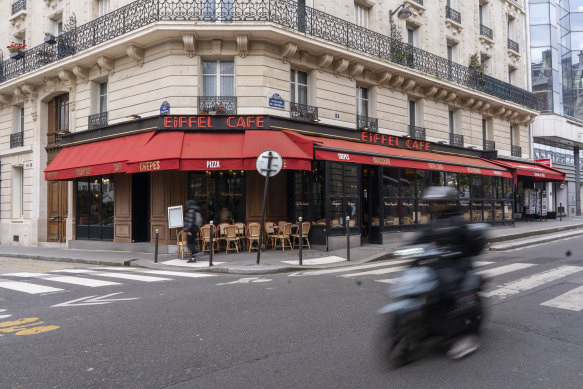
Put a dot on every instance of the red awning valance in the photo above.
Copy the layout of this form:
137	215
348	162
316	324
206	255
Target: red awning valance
346	151
176	150
542	173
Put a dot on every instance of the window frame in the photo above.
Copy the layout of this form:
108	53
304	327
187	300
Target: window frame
362	103
295	86
218	77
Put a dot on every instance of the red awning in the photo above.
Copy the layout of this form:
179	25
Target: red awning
175	150
363	153
96	158
542	173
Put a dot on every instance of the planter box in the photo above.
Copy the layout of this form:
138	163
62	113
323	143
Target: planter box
17	54
50	39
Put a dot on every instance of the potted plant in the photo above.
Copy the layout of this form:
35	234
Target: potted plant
16	50
477	70
50	38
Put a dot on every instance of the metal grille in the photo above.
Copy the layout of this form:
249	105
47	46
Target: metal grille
489	145
417	132
452	14
16	139
516	151
367	123
456	140
303	112
217	105
419	1
486	31
98	120
513	46
17	6
286	13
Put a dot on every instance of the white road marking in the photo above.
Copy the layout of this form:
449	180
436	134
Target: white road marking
177	273
93	300
532	282
74	271
81	281
4	316
351	268
378	271
134	277
317	261
24	274
504	269
572	300
27	287
482	263
246	280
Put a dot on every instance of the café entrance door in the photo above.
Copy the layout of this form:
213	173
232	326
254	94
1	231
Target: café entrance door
371	204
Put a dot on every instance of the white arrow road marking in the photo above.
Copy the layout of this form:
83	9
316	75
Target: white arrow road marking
93	300
246	280
4	316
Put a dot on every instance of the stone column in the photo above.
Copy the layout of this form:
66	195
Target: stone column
577	182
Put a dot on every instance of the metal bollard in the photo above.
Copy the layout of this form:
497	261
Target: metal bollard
347	238
156	247
301	239
211	248
561	211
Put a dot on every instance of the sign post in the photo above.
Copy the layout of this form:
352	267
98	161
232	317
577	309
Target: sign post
268	164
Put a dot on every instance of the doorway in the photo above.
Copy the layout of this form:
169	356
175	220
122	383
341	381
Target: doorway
140	207
371	204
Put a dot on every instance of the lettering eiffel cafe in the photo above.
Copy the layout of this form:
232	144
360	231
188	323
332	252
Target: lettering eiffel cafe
125	177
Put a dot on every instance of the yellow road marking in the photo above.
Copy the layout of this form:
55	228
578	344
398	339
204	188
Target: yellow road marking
26	326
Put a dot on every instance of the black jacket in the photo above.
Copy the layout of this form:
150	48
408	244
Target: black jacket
190	217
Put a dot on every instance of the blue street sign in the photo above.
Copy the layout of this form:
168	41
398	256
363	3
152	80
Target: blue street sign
276	101
165	108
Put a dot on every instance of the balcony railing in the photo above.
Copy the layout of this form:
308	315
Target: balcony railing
309	21
513	46
486	31
18	5
217	105
417	132
16	139
365	123
452	14
489	145
303	112
516	151
99	120
419	1
456	140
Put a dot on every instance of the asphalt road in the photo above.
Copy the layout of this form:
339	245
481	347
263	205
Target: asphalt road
307	330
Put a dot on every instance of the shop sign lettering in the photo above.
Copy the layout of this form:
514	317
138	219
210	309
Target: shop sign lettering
213	164
117	167
336	203
195	122
149	166
83	171
52	175
539	174
394	141
496	172
302	203
381	161
474	170
344	157
435	166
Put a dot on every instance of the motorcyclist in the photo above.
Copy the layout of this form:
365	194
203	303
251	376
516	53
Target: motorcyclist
449	231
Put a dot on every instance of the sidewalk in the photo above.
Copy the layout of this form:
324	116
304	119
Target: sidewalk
277	261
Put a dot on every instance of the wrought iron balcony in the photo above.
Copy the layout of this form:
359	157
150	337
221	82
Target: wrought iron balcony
303	112
417	132
456	140
217	105
489	145
452	14
513	46
99	120
284	13
18	5
486	31
516	151
16	139
419	1
365	123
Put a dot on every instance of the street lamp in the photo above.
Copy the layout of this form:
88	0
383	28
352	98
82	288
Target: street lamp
402	13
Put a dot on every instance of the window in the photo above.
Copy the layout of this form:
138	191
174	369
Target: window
452	126
299	87
95	206
451	52
412	35
511	29
102	7
218	78
221	195
485	128
514	136
361	15
412	116
17	192
485	61
482	14
103	97
18	122
344	199
362	101
511	75
62	113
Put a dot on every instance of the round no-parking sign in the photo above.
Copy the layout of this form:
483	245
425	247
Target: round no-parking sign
263	160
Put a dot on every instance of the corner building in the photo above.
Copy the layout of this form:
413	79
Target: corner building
365	116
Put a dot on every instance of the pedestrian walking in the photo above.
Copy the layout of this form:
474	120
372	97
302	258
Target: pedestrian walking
192	223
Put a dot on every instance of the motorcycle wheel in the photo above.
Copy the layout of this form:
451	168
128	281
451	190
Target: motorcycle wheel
400	344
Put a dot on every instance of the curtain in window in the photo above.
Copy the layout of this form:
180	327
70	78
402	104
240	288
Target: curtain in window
209	78
227	78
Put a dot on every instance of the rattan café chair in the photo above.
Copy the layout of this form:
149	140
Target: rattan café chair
231	238
181	242
253	233
305	231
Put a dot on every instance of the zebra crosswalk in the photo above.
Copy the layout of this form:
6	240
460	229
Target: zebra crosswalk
58	280
513	275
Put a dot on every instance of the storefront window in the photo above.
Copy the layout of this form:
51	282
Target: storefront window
498	211
390	212
406	211
476	187
487	187
451	179
433	178
221	195
344	195
423	212
465	210
302	181
390	182
465	185
319	209
476	211
95	208
407	183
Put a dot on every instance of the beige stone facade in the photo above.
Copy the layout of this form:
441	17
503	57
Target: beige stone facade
162	61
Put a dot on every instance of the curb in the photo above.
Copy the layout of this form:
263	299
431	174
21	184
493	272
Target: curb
547	231
517	245
71	260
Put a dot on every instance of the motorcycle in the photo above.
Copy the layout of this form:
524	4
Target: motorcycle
416	319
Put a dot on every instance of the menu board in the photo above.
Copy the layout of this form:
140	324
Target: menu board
175	217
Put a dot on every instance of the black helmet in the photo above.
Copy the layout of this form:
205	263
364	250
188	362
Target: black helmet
440	193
